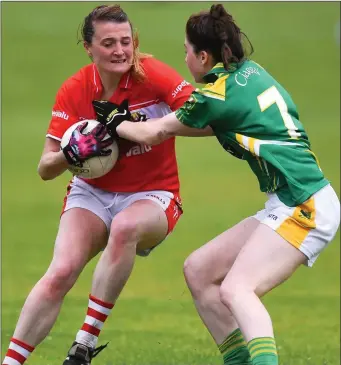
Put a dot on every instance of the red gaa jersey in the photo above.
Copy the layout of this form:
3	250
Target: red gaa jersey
139	167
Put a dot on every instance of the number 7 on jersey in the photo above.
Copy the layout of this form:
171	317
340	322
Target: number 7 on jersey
272	96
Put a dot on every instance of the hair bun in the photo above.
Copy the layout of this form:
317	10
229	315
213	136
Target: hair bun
217	11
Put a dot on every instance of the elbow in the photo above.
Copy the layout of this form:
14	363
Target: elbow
157	136
43	173
152	140
44	176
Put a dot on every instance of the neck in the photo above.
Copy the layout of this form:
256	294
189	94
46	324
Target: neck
110	82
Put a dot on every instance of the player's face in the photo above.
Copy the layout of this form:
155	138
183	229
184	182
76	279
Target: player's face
194	62
112	47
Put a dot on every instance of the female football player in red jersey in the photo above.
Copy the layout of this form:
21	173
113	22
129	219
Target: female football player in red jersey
129	210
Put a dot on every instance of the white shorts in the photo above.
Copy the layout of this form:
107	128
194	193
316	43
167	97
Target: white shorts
106	204
309	226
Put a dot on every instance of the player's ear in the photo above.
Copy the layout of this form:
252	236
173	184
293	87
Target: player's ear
203	57
87	49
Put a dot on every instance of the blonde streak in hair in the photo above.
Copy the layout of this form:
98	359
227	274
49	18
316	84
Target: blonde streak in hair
138	70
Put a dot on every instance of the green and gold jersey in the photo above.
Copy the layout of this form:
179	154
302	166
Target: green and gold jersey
255	119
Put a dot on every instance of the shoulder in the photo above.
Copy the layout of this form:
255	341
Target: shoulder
156	69
76	83
150	63
217	89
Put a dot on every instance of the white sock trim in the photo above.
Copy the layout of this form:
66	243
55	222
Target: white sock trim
10	361
99	308
86	339
19	349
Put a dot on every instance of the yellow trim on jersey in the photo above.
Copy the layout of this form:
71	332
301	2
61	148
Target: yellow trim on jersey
208	94
216	90
239	138
296	228
316	159
218	65
252	145
247	143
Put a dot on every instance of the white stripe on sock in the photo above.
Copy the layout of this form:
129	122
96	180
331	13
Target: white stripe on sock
94	322
10	361
86	339
99	308
19	349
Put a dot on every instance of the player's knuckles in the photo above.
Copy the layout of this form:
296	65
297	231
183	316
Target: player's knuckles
106	143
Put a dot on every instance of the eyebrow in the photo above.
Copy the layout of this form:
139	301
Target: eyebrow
113	38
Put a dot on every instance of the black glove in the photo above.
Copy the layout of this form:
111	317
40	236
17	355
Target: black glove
138	117
83	146
111	115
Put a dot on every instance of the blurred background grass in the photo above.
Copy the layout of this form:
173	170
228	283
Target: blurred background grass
154	321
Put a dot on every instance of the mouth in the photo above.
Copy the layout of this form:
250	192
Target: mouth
118	61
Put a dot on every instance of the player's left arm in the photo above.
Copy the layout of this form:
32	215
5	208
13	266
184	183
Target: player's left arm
156	131
190	132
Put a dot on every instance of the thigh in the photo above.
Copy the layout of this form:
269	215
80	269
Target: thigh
83	195
148	220
265	261
80	237
157	213
310	226
216	257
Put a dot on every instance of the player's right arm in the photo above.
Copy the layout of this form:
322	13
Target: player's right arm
64	114
52	162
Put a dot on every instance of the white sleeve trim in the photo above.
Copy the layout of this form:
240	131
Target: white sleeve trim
54	137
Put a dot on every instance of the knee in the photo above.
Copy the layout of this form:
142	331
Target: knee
123	232
195	275
58	280
233	291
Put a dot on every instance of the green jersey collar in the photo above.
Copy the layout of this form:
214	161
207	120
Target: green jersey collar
219	69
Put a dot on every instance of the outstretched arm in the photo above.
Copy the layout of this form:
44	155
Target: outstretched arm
156	131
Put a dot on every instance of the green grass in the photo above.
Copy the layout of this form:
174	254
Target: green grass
154	321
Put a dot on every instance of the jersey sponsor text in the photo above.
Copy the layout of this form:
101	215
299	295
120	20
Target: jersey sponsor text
243	76
59	114
179	88
138	150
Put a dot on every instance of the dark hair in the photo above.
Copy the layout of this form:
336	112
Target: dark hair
106	13
113	13
216	32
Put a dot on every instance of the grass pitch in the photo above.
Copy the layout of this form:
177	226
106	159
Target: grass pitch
154	321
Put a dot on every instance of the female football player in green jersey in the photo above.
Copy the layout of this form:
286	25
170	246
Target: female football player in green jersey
255	119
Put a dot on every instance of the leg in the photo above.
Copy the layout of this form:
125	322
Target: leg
143	224
73	249
80	237
206	268
287	238
264	262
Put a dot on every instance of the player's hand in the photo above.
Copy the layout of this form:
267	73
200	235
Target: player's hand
111	115
83	146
